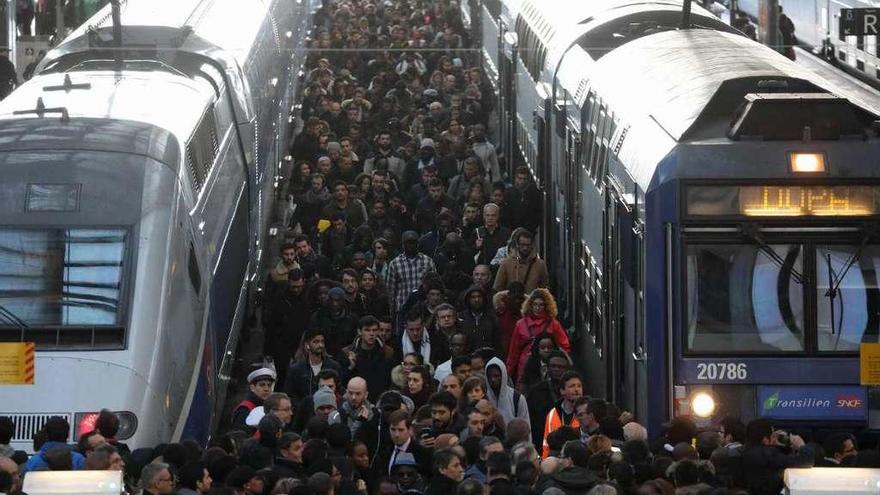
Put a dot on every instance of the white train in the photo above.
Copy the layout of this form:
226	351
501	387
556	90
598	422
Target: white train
817	24
137	185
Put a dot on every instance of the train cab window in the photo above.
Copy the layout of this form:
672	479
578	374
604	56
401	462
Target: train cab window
847	296
744	298
61	277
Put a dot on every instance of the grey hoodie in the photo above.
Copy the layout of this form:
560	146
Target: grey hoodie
504	401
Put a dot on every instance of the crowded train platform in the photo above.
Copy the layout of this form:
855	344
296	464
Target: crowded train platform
407	339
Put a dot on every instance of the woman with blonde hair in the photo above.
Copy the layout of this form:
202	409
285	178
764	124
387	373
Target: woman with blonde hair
539	316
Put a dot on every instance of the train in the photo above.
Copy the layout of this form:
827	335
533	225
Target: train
817	27
139	168
710	209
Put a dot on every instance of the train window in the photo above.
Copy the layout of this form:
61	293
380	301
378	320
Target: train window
847	296
62	277
202	149
744	298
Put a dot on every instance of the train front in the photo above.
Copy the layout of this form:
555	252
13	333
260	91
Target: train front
765	246
89	258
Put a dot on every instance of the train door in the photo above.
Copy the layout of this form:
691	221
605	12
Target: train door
556	168
621	268
627	335
507	109
572	221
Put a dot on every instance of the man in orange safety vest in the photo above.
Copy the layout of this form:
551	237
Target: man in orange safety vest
571	388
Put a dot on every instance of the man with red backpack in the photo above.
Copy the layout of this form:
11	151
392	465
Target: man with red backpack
261	383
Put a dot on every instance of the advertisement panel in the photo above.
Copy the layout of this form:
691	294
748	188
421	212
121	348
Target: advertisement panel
804	403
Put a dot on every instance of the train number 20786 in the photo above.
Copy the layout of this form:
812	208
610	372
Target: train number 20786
722	371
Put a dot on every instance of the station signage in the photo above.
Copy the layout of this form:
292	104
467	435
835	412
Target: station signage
859	22
802	403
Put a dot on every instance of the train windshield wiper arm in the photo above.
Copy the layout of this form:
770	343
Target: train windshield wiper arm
751	233
834	280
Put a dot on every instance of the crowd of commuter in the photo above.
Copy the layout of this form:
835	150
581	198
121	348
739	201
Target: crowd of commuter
410	337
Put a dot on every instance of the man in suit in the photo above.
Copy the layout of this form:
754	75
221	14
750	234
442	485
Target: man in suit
399	426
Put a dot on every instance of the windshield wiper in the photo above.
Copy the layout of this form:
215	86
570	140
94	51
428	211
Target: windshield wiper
834	284
835	280
752	233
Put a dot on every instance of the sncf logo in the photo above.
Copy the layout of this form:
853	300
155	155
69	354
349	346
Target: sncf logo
849	402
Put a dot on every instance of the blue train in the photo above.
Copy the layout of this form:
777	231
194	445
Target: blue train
138	178
710	208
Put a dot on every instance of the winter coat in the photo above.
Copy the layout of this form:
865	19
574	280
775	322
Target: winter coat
510	404
532	272
38	461
480	325
763	467
522	340
373	365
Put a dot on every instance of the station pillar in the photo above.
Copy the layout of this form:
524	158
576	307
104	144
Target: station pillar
768	24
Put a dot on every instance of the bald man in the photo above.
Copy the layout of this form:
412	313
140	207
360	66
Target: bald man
9	466
356	409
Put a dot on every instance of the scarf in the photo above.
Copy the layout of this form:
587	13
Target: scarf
424	349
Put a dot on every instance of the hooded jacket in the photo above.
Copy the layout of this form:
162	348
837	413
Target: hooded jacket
504	400
480	325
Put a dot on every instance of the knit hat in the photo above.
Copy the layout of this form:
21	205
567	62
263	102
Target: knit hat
427	143
324	397
336	293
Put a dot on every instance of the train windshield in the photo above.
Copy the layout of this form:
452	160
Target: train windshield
61	277
745	298
847	296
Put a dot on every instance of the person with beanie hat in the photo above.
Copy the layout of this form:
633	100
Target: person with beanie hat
324	401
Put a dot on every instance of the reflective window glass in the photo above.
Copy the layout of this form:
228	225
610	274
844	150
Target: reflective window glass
744	298
61	277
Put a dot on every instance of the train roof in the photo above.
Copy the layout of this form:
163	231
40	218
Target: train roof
673	76
196	26
176	104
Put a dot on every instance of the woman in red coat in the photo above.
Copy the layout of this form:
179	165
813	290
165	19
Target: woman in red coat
539	315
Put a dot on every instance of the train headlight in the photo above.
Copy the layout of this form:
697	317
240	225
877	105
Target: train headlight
128	424
84	422
703	404
807	163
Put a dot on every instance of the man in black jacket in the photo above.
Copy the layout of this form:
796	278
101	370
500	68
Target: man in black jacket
449	473
288	459
399	424
368	359
285	324
765	457
302	376
545	394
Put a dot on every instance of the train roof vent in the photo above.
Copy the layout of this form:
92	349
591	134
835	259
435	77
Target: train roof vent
796	116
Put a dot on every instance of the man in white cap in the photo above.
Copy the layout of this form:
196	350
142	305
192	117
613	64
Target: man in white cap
261	383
